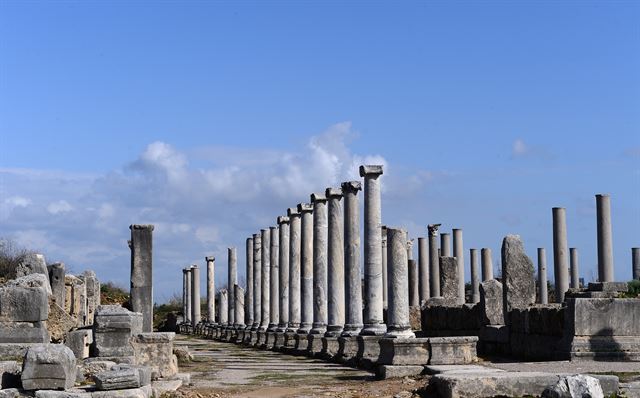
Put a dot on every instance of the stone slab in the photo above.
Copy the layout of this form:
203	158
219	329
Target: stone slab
396	371
23	333
404	351
457	369
608	286
48	366
75	393
142	392
160	387
23	304
453	350
117	379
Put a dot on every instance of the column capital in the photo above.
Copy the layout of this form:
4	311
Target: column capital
194	266
333	193
305	208
272	228
186	270
256	236
433	229
141	226
292	211
210	259
373	170
318	197
409	243
264	230
283	220
351	186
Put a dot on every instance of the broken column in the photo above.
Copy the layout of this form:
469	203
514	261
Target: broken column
449	277
575	270
306	267
605	241
423	269
353	288
142	273
434	260
186	305
373	306
414	298
274	279
458	253
445	244
542	276
232	279
56	277
195	296
238	295
92	287
486	264
385	294
265	281
518	283
248	312
223	311
211	289
635	262
257	281
294	269
335	260
475	277
398	324
283	264
560	253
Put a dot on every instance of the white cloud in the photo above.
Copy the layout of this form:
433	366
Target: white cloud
519	148
61	206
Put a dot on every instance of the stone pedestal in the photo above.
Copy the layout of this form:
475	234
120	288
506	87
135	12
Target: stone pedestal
314	346
401	357
253	340
289	342
368	351
330	348
302	344
141	245
269	340
458	350
261	338
347	350
278	343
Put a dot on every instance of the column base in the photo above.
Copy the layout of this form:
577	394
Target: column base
396	371
318	328
330	347
404	351
278	342
301	344
314	346
304	328
289	342
334	331
368	351
374	329
262	338
254	338
281	328
272	327
347	350
269	340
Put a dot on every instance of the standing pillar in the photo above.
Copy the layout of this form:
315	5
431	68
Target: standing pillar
257	281
274	280
434	260
486	263
265	304
248	309
211	288
320	251
385	294
635	262
142	273
605	241
423	269
294	269
373	305
445	244
306	267
232	279
542	276
560	253
335	257
283	272
238	294
223	312
56	276
186	304
575	270
195	295
475	276
398	313
458	252
414	296
353	288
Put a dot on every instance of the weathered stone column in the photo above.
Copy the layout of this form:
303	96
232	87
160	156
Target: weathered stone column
445	244
320	251
283	270
458	253
186	303
605	241
195	295
223	313
414	296
635	262
294	269
142	273
238	294
248	310
486	263
353	288
211	288
265	282
560	253
385	294
434	260
373	305
232	279
542	276
475	276
257	281
56	277
306	267
409	249
274	280
335	256
398	312
574	268
423	269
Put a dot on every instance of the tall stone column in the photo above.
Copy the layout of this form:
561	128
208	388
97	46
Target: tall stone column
232	279
574	269
294	269
248	309
458	253
56	277
274	280
142	273
306	267
257	281
186	298
195	295
434	260
223	313
635	262
385	294
211	288
265	304
475	276
486	263
605	241
414	296
560	253
398	324
335	257
320	252
373	304
445	244
542	276
423	269
353	288
283	270
238	294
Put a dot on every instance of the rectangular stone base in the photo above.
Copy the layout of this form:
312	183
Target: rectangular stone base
394	371
622	348
269	341
262	338
404	351
239	336
289	342
253	338
279	341
315	344
368	351
330	348
347	350
453	350
302	344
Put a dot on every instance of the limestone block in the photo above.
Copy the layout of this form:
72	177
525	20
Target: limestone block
404	351
91	366
14	393
156	351
144	372
518	282
79	341
608	286
74	393
449	280
9	374
34	264
142	392
75	297
93	294
113	330
59	322
491	302
48	366
602	317
23	304
453	350
117	379
56	279
161	387
574	386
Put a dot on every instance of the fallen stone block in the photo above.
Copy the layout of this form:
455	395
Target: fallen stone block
155	350
48	366
143	371
117	379
574	386
453	350
14	393
396	371
491	302
113	329
142	392
160	387
63	394
59	322
23	304
404	351
34	264
79	341
91	366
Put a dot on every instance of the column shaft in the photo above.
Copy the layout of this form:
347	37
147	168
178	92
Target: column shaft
266	273
352	285
414	295
274	280
141	294
486	263
574	268
635	262
238	294
475	275
187	294
434	260
195	295
232	279
320	242
542	276
458	253
605	241
385	294
211	288
257	281
335	257
445	244
223	311
398	324
560	253
294	269
248	309
423	269
283	269
306	267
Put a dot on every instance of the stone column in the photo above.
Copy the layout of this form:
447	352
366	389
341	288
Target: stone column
414	296
458	253
142	273
335	257
232	279
353	288
320	251
56	277
409	249
575	270
423	269
238	294
475	276
373	305
223	313
195	295
283	267
398	313
186	286
445	244
211	288
257	281
542	276
385	294
605	241
294	269
560	253
306	267
274	280
434	260
486	263
265	304
248	310
635	262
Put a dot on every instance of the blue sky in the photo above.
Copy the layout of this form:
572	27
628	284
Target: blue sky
209	119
